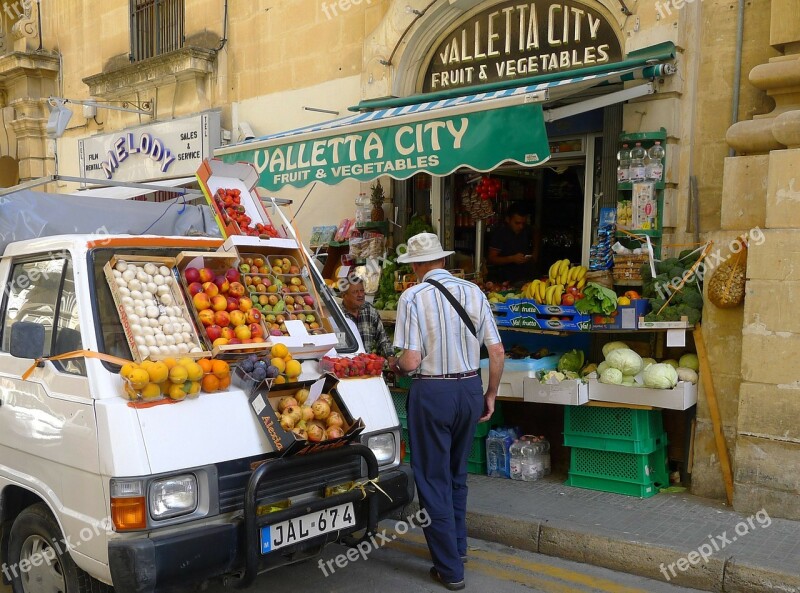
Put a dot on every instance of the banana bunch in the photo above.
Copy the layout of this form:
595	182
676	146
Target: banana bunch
560	277
535	290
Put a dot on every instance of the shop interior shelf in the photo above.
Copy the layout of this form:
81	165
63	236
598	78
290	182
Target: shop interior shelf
628	185
628	282
648	232
642	136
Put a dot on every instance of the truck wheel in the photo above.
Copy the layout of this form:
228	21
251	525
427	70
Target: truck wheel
35	544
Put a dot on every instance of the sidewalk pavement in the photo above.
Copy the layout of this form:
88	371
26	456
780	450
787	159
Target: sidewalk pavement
640	536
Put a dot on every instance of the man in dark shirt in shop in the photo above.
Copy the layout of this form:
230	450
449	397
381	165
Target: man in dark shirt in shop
367	320
513	255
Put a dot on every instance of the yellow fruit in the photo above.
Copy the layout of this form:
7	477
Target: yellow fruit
146	364
178	375
139	378
130	392
127	369
158	372
176	392
293	368
151	391
279	351
170	362
623	300
287	358
278	364
195	371
194	387
280	379
220	368
186	362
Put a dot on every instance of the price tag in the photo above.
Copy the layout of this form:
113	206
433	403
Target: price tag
315	391
676	338
343	271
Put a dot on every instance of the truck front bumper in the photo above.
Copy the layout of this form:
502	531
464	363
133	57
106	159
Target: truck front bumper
161	563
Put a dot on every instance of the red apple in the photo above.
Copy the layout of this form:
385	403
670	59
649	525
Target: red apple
206	317
568	300
219	302
222	283
253	316
242	332
222	319
233	303
234	341
227	332
201	301
255	330
206	275
195	287
245	304
210	288
233	275
309	300
191	275
237	318
236	289
214	332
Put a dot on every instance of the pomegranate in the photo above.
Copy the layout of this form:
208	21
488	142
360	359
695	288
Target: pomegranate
285	402
321	409
335	419
315	433
334	432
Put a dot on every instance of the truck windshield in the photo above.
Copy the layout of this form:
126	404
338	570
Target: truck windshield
111	337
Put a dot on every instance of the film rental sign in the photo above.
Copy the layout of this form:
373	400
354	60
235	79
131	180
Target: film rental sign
515	39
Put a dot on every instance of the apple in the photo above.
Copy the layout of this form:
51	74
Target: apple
242	332
233	275
222	318
210	288
258	261
244	269
275	332
237	318
302	288
195	287
301	316
206	275
263	300
220	342
213	332
219	302
310	318
234	341
253	316
206	317
233	303
295	281
227	332
191	275
277	270
568	300
309	300
201	301
222	283
286	263
236	289
294	270
245	304
256	330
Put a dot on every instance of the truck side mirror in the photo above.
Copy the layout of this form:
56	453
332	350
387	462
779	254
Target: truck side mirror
27	339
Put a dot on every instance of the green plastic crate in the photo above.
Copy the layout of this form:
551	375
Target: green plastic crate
402	381
625	467
642	447
621	424
609	485
478	450
476	467
400	399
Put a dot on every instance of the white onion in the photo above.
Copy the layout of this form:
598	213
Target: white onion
134	284
178	336
126	300
149	341
129	275
186	327
133	318
123	290
155	350
164	271
140	311
144	351
166	299
169	280
161	339
152	311
177	349
151	268
195	349
136	329
147	331
163	289
187	337
158	280
152	287
142	276
121	266
117	274
163	320
139	340
148	296
120	282
170	340
129	309
136	295
166	328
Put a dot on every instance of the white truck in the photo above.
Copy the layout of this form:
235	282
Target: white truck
77	462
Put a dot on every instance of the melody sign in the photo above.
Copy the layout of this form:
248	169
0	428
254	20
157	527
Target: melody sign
521	39
479	140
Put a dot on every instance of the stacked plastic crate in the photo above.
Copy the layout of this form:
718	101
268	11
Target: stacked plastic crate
618	450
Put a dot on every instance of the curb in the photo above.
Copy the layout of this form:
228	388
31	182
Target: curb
642	559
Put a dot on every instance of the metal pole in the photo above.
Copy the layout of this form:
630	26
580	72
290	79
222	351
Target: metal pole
478	247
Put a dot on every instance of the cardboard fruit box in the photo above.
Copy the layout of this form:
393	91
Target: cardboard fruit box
264	403
531	315
570	392
625	317
682	397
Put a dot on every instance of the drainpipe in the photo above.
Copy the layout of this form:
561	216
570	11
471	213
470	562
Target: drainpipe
737	73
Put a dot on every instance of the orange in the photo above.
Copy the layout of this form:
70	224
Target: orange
170	362
158	372
287	358
205	364
151	391
139	378
194	388
278	364
225	383
210	383
220	368
279	351
127	369
280	379
293	368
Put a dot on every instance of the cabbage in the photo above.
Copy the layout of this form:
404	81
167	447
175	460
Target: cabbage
571	361
686	374
628	380
601	367
660	376
626	360
689	361
611	346
612	376
671	362
646	362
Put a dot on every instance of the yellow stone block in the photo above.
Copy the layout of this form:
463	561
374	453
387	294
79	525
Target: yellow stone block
774	255
767	462
769	410
769	357
727	388
772	305
744	192
783	190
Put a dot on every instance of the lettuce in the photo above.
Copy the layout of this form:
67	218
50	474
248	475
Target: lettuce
597	299
571	361
626	360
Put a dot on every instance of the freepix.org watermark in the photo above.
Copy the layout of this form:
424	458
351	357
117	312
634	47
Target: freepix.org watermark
716	543
664	8
334	9
377	540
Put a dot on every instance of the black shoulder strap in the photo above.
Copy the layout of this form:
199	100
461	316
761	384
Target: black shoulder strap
456	305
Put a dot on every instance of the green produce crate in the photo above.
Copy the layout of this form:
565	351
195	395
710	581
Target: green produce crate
400	399
478	451
614	486
402	381
642	447
616	424
623	467
476	467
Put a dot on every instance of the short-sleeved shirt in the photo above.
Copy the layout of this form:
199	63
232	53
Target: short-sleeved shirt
510	243
373	334
428	323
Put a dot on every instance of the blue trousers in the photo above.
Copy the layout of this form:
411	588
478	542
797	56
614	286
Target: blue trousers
442	418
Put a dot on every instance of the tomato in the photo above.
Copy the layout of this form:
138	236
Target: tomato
632	295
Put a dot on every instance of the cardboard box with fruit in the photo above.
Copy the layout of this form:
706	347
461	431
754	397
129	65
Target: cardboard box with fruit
173	379
226	316
305	417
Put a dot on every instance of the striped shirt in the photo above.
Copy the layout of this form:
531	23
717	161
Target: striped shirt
428	323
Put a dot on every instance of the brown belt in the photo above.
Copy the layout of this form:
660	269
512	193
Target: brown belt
466	375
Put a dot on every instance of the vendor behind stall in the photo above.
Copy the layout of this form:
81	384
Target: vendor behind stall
367	319
513	252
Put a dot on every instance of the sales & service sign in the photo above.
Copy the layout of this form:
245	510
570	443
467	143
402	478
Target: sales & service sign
513	40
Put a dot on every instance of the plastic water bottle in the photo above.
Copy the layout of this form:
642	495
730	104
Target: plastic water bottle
638	169
497	457
516	461
532	466
624	163
655	168
363	209
542	458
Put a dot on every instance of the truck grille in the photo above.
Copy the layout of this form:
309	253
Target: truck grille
233	477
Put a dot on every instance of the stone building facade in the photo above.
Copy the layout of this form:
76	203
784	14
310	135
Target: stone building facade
281	64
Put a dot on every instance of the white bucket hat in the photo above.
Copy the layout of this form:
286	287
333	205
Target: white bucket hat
422	248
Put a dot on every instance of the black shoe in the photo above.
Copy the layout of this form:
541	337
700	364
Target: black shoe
457	586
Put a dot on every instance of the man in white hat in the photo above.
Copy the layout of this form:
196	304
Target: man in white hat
441	324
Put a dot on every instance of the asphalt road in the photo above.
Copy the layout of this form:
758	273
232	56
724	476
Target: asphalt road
403	562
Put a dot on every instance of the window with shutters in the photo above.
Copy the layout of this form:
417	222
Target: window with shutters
157	27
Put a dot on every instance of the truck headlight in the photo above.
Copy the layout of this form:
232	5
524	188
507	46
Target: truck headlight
383	446
173	496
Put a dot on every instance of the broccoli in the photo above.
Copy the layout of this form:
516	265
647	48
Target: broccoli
676	272
656	304
686	253
693	299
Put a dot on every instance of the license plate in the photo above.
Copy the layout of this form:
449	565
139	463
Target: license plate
302	528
